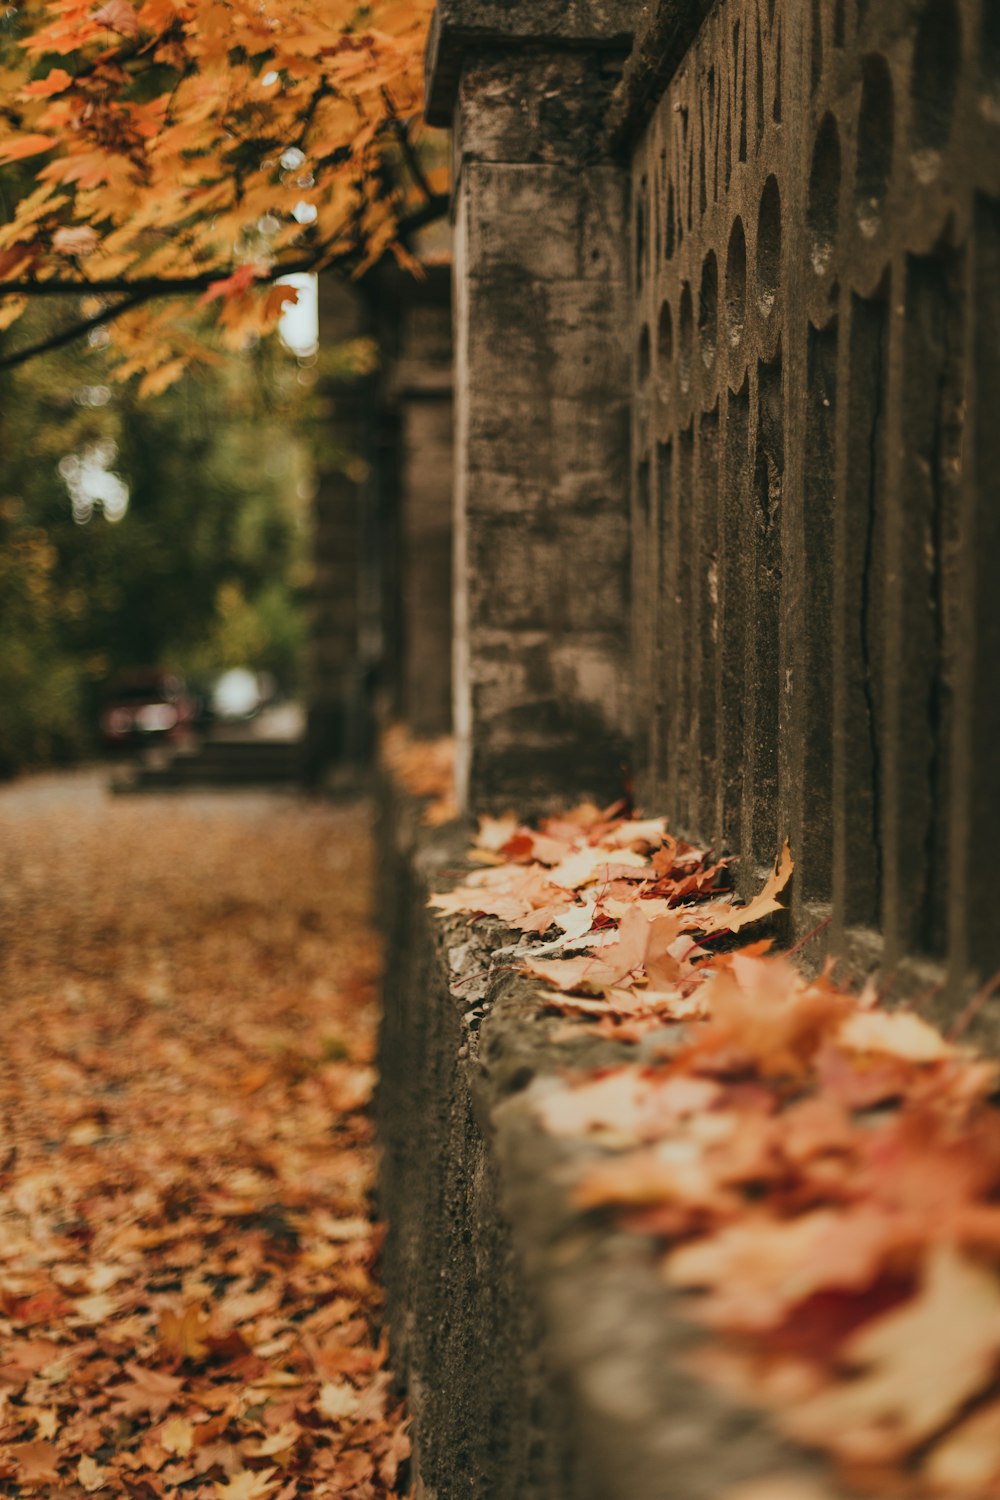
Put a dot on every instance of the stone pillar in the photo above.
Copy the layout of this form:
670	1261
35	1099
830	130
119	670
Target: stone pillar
542	388
415	524
338	705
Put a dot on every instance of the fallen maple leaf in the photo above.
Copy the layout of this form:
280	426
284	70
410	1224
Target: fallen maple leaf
639	938
969	1457
247	1485
899	1033
338	1401
36	1462
494	833
762	1009
624	1105
176	1436
759	1268
919	1365
281	1441
91	1475
147	1390
764	904
185	1336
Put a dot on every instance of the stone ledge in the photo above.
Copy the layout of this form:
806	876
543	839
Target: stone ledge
543	1354
459	24
662	38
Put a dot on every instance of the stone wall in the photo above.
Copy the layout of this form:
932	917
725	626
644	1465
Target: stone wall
781	624
543	1354
727	344
815	232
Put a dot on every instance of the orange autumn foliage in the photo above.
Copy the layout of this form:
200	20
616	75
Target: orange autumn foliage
205	146
818	1175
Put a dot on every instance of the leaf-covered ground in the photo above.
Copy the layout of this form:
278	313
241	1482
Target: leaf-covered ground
188	1302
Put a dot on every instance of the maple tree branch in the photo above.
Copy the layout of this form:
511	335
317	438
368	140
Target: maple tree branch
406	146
148	286
70	334
180	286
305	124
140	291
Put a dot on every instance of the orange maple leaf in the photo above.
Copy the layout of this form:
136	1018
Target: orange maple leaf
26	145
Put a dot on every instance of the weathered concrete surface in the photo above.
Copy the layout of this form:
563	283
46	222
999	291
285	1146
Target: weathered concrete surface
542	1352
458	25
541	479
815	232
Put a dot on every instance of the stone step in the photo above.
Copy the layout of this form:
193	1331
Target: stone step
220	763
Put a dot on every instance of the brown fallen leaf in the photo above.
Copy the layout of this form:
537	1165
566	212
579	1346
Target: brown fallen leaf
91	1475
36	1462
898	1033
918	1366
780	1487
764	904
247	1485
177	1436
759	1267
968	1458
639	937
624	1105
185	1335
147	1390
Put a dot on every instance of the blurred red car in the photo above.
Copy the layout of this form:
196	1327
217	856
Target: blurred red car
146	706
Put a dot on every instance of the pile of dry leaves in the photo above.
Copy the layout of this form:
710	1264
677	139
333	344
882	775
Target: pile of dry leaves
187	1299
822	1174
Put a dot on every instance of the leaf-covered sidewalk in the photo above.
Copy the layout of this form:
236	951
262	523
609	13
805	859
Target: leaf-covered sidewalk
188	1302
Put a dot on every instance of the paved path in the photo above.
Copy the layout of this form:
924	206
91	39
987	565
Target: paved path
187	1299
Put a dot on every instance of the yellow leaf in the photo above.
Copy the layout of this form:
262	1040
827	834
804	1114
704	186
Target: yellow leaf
157	381
177	1436
247	1485
11	309
90	1475
338	1401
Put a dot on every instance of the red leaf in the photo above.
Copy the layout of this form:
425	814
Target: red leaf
236	285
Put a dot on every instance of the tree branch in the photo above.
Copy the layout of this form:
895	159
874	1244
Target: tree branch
407	148
70	334
139	291
181	286
146	286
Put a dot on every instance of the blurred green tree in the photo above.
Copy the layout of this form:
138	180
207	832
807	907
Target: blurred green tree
133	534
